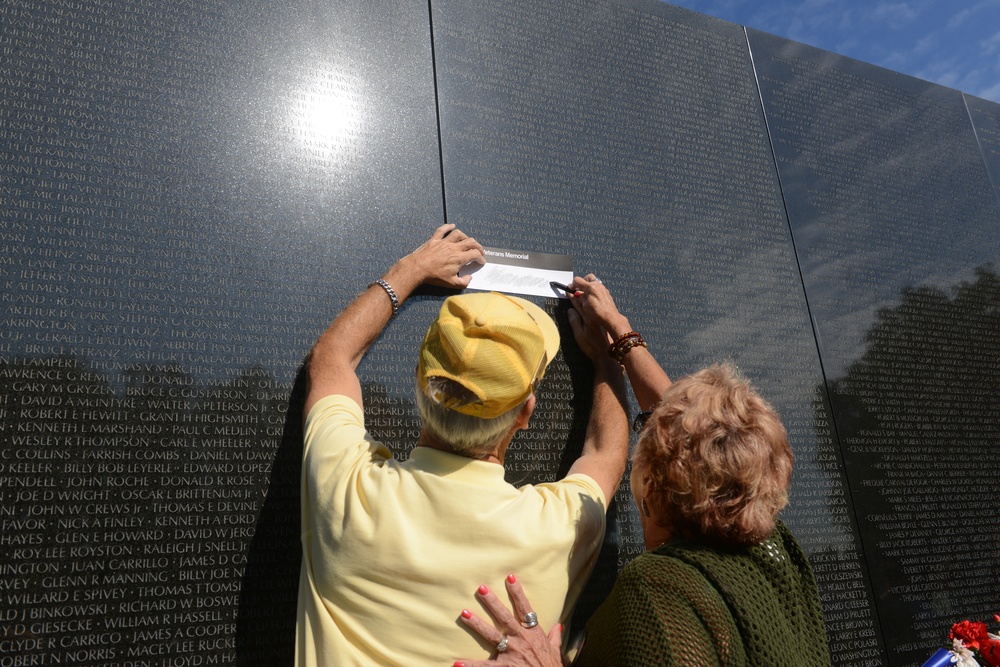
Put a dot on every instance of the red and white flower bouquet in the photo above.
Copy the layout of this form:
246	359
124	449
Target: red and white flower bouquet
972	645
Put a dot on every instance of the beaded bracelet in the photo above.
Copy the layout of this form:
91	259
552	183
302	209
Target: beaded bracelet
626	347
621	341
391	292
624	344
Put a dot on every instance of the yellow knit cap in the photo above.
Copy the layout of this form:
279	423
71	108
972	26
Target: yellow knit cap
494	345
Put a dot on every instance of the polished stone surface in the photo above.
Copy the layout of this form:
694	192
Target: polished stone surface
189	192
895	225
986	121
631	136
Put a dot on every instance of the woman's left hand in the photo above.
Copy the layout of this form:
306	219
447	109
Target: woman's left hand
519	642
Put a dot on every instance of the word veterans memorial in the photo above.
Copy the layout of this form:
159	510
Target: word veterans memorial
189	192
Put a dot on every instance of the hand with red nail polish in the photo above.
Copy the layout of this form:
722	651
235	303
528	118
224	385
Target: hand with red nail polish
526	644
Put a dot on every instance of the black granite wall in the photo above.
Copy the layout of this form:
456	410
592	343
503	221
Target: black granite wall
189	192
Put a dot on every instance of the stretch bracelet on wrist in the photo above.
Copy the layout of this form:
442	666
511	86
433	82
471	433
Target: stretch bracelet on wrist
624	343
626	347
622	340
391	292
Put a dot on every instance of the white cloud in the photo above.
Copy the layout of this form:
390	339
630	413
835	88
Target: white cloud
989	93
809	22
991	45
908	59
896	14
959	18
964	15
947	72
952	43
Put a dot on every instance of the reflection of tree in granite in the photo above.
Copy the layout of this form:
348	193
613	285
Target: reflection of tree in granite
918	415
265	621
144	504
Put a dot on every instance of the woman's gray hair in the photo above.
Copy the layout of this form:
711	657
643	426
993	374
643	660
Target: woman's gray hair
466	435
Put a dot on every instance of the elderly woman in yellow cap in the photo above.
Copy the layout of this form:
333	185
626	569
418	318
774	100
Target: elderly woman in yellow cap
722	582
391	547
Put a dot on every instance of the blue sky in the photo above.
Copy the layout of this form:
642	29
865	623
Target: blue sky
955	43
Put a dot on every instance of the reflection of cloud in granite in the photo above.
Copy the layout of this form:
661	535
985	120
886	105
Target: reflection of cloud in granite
875	169
754	315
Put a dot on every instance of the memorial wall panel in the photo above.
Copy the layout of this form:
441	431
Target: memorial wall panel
188	193
986	122
630	136
895	224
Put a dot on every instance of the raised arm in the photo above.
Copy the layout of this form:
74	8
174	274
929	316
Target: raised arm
332	364
605	447
648	379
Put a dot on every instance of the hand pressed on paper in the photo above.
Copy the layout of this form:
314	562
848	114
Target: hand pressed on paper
440	258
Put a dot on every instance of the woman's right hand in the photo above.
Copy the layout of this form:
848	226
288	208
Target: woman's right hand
594	303
596	311
523	646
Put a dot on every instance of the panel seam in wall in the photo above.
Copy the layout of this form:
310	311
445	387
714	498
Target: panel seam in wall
982	152
437	111
816	335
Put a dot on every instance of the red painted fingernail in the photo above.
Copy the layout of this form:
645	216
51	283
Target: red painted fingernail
511	579
459	664
466	613
483	590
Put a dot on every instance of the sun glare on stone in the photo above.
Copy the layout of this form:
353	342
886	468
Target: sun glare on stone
325	115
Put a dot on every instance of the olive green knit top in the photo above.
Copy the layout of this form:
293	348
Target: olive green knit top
692	605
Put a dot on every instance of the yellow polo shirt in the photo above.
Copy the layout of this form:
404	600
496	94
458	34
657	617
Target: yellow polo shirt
393	551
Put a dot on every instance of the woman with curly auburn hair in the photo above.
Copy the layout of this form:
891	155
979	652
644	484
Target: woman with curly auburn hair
723	582
713	462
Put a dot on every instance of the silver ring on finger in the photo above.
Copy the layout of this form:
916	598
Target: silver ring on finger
530	619
502	646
